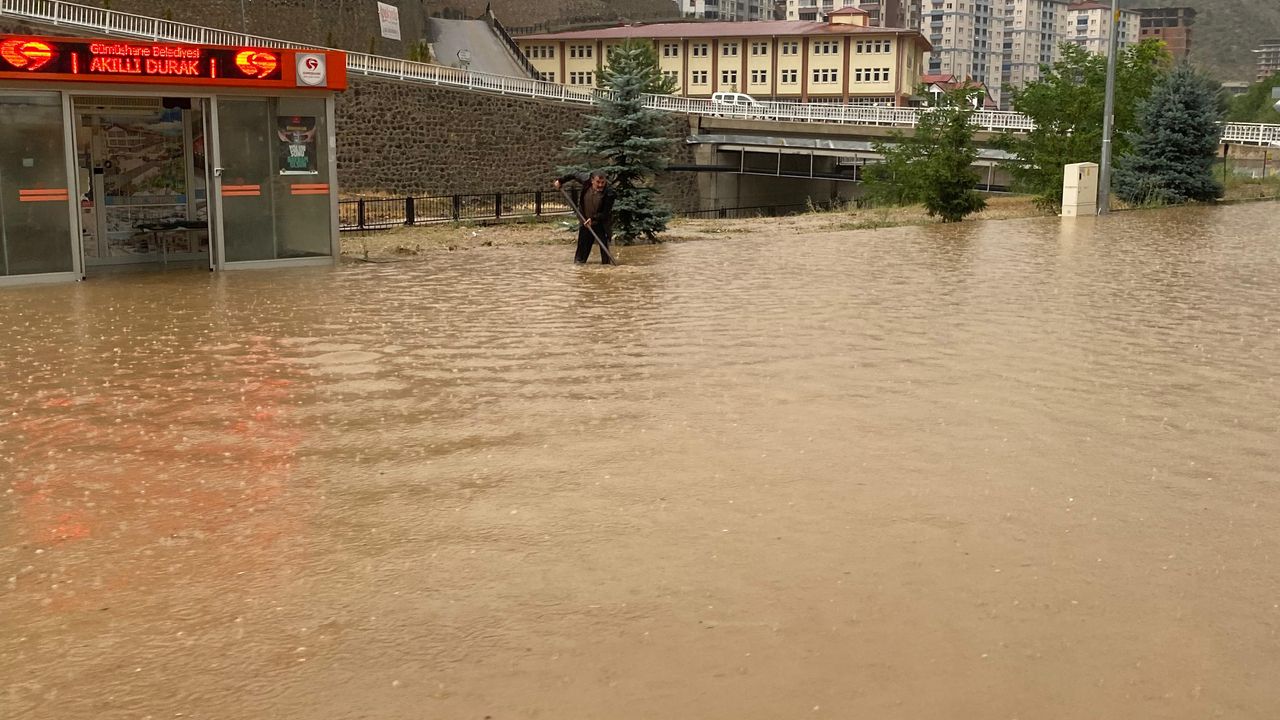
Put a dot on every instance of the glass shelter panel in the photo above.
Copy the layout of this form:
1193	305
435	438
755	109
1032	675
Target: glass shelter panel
35	221
275	179
142	180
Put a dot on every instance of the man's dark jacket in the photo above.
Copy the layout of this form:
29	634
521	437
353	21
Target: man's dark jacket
602	221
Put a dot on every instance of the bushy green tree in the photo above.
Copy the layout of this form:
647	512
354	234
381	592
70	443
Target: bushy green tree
1066	104
891	182
628	142
1175	144
1256	105
934	165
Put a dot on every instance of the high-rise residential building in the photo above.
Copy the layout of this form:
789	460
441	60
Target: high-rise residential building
968	38
1268	58
727	9
1170	24
911	13
880	13
1033	31
1092	27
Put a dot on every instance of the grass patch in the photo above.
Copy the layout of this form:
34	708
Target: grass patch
1244	187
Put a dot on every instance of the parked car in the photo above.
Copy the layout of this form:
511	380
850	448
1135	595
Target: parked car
734	102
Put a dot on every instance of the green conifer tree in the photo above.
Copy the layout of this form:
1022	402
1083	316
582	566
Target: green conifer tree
1175	144
628	142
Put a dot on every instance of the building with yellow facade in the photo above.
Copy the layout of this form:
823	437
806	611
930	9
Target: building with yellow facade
843	59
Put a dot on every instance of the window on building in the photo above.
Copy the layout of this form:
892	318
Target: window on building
759	77
698	77
789	77
547	77
790	47
728	77
581	51
759	48
729	49
672	75
700	50
823	76
670	50
582	78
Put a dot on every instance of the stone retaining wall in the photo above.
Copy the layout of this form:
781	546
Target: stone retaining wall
402	139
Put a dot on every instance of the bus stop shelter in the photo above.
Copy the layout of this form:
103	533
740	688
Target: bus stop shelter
120	156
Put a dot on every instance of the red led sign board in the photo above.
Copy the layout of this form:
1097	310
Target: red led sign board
111	61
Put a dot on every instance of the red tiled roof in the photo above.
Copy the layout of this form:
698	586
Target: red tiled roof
723	29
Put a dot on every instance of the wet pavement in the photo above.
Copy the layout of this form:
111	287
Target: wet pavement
1020	469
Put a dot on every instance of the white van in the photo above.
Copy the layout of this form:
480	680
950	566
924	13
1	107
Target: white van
731	101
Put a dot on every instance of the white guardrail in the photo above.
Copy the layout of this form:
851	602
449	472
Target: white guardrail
111	22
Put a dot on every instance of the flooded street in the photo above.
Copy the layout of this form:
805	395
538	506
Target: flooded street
1020	469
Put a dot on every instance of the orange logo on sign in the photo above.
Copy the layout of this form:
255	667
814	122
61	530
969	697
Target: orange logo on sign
27	55
257	64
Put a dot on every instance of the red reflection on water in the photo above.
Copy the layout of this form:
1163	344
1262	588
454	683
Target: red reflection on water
116	486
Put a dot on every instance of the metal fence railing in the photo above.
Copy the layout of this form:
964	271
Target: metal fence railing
111	22
511	44
1251	134
385	213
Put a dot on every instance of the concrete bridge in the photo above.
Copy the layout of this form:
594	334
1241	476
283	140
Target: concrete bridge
70	16
739	162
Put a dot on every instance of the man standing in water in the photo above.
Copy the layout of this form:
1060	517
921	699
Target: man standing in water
595	203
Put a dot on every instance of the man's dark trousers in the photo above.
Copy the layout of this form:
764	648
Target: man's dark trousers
586	242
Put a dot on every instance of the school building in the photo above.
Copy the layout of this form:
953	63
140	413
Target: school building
842	59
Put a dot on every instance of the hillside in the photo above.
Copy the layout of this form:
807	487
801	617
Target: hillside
528	13
1225	32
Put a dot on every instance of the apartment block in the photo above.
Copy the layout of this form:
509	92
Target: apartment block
1169	24
1268	54
1033	31
881	13
1091	24
727	9
842	59
968	38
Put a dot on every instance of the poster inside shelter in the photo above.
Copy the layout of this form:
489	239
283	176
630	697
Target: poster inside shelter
297	135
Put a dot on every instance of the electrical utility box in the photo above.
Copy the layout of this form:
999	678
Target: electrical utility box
1080	189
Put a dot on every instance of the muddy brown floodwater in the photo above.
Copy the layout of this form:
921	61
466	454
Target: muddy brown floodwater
1021	469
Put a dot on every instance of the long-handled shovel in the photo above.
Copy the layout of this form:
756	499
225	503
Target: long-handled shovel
603	248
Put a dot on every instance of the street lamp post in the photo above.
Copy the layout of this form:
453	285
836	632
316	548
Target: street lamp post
1108	114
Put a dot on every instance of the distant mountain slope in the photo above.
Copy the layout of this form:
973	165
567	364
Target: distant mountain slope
525	13
1225	32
